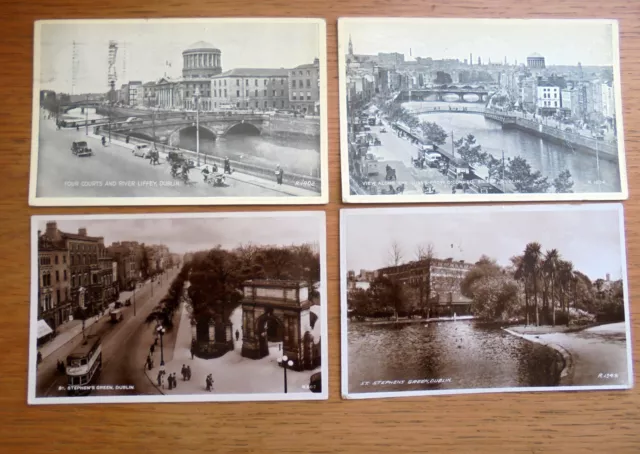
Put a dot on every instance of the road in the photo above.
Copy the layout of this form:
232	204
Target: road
61	174
125	346
398	152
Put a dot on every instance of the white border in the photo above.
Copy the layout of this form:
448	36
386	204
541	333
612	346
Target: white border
248	397
347	197
344	341
322	198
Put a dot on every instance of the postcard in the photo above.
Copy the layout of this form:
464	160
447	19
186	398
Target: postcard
179	112
186	307
484	299
473	110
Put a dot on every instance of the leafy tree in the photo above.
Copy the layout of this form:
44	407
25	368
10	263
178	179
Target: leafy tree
469	150
145	265
524	180
495	168
276	262
387	293
433	132
443	78
563	182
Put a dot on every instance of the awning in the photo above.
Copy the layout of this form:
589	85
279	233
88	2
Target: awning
43	329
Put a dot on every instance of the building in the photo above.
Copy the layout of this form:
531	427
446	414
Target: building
201	60
529	93
251	88
304	88
123	95
608	102
136	93
149	94
86	290
127	255
54	296
535	61
548	100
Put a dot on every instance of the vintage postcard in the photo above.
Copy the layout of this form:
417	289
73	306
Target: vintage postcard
178	308
471	110
179	112
484	299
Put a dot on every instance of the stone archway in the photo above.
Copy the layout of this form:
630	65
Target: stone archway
270	329
243	128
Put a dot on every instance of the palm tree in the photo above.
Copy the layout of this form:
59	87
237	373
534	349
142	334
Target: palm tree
566	280
520	275
551	265
532	256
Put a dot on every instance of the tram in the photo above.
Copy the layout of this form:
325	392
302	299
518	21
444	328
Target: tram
83	366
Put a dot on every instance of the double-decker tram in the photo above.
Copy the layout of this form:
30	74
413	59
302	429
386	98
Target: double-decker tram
83	366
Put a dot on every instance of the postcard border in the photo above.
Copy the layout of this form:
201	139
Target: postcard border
320	199
347	197
32	399
344	337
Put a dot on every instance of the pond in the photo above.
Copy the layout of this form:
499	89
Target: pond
462	354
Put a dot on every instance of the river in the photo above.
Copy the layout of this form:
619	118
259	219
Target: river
548	157
469	353
295	155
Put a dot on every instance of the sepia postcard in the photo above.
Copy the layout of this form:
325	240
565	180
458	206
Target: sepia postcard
178	308
472	110
179	112
484	299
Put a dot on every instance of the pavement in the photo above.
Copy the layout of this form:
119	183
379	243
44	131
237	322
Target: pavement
113	171
593	357
124	348
232	373
66	332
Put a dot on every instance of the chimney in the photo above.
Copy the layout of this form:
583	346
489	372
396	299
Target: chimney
608	277
316	61
52	229
82	231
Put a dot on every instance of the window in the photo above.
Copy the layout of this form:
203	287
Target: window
293	95
56	259
256	82
265	104
300	73
274	93
246	81
238	93
237	82
238	105
73	280
308	96
555	103
282	103
64	259
308	82
265	82
225	82
57	276
225	92
264	92
58	296
281	92
293	84
256	93
247	93
64	275
281	81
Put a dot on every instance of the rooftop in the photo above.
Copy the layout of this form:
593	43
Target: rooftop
535	55
254	72
274	283
201	45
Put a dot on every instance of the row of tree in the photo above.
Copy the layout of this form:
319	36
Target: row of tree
164	312
515	170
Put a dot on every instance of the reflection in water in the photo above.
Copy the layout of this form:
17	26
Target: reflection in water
547	157
470	354
78	114
295	155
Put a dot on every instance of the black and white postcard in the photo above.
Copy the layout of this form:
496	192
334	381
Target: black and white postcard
178	308
179	112
484	299
469	110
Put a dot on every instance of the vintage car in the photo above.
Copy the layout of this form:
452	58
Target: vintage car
315	383
141	150
81	148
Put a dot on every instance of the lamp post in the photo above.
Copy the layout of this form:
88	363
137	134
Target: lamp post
196	98
86	118
134	300
285	362
160	331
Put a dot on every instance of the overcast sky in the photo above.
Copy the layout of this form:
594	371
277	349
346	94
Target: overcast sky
146	47
561	43
590	239
195	234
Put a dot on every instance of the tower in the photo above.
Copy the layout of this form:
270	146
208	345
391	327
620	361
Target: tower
74	67
111	71
350	46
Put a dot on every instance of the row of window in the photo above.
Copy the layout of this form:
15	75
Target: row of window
548	95
83	260
256	93
548	104
265	105
46	260
293	83
223	82
294	96
46	277
204	93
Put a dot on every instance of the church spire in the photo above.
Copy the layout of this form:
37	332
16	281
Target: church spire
350	46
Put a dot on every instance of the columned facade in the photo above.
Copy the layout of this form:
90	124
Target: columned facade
201	60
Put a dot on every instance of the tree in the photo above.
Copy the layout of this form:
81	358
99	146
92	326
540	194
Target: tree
424	254
144	262
531	259
433	132
566	282
469	150
563	182
443	78
520	274
495	168
388	294
276	262
550	266
519	172
395	254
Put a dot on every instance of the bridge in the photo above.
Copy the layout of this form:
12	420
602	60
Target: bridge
462	93
85	103
216	124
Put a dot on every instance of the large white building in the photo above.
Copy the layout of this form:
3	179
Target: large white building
548	99
608	103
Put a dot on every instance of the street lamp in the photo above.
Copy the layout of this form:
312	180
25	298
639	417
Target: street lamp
285	362
134	300
196	98
160	331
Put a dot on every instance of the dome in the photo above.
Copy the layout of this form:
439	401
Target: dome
201	45
535	55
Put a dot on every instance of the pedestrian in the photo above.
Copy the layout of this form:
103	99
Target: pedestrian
152	348
227	166
279	174
237	335
160	378
175	380
170	381
207	384
189	373
205	173
192	352
184	373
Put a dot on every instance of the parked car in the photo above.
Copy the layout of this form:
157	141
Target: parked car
141	150
81	148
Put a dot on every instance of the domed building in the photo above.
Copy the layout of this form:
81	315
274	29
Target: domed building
536	61
201	60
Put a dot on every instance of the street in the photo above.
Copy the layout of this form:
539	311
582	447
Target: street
62	174
125	346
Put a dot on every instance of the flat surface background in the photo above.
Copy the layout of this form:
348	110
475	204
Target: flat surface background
532	423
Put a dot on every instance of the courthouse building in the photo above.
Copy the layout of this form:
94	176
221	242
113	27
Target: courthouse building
251	88
304	91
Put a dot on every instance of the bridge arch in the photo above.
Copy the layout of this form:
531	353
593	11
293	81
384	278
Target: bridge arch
243	128
184	134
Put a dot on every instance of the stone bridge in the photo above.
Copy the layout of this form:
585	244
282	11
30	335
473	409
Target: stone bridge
168	129
74	105
421	94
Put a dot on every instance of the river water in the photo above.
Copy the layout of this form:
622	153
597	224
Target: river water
294	155
547	157
469	353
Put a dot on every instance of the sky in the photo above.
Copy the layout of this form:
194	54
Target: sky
565	43
150	45
196	234
589	239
